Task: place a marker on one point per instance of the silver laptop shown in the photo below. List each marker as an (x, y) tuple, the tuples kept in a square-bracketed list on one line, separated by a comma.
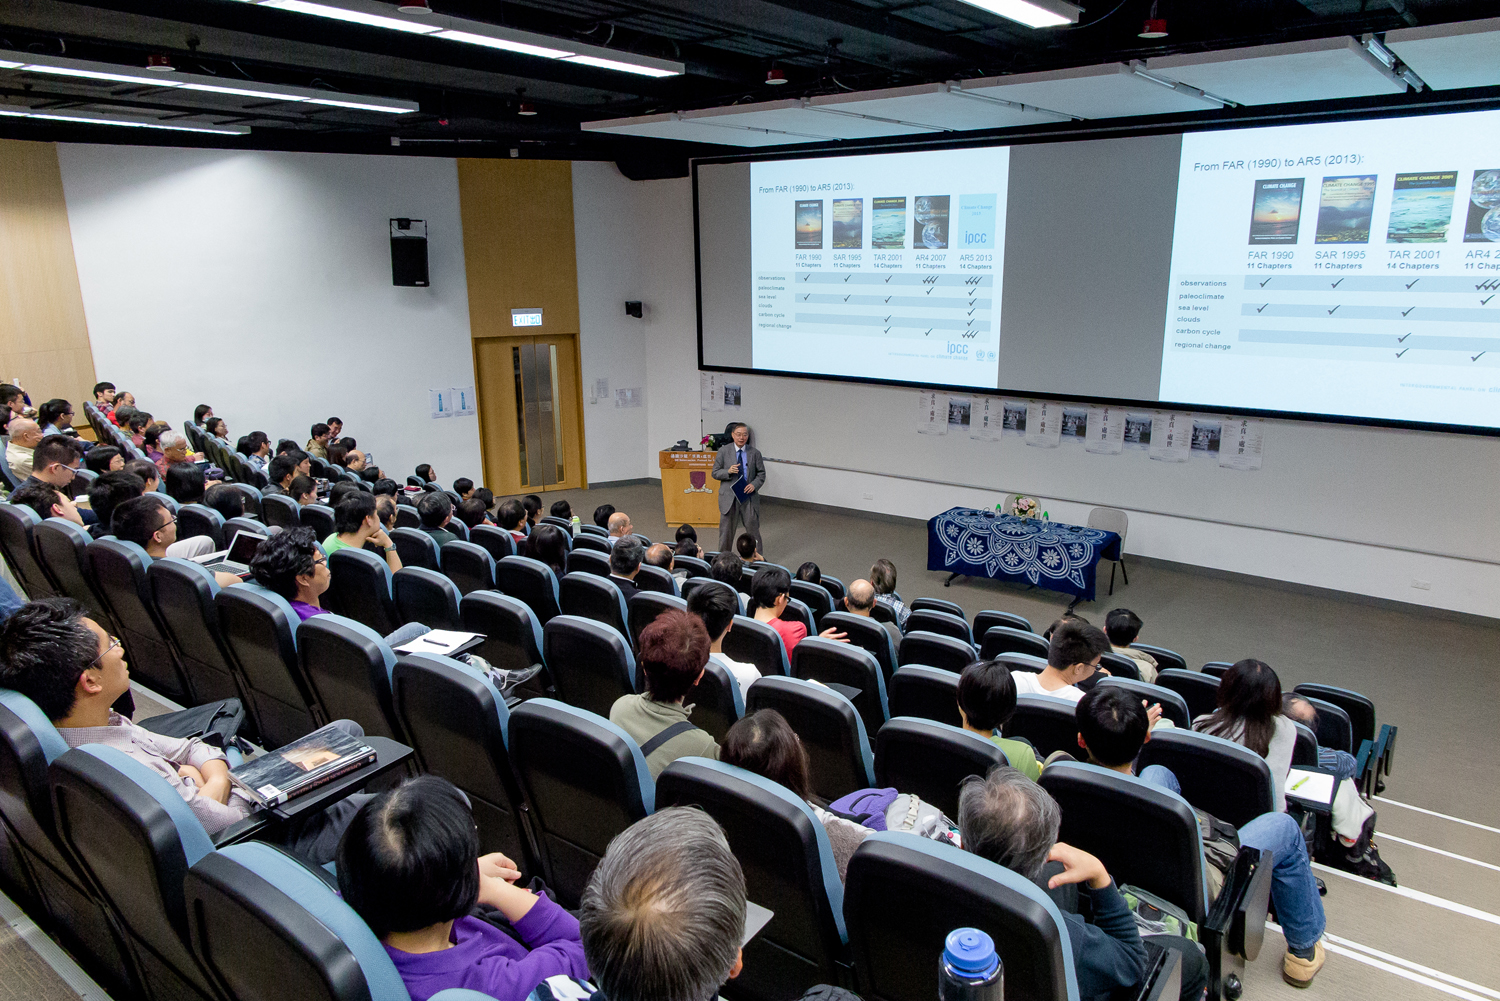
[(236, 559)]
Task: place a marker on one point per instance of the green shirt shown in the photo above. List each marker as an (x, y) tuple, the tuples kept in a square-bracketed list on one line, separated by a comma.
[(332, 545), (1020, 755), (643, 718)]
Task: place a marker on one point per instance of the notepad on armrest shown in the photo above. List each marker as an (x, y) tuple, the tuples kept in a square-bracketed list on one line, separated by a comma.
[(301, 766), (1310, 787), (442, 643), (756, 918)]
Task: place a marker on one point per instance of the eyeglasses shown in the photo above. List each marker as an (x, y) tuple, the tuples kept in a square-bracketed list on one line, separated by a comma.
[(114, 641)]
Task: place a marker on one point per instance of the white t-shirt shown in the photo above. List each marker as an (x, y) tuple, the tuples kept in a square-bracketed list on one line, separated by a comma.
[(1028, 683), (744, 674)]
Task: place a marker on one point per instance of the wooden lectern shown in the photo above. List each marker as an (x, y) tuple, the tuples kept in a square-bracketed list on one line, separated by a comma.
[(688, 494)]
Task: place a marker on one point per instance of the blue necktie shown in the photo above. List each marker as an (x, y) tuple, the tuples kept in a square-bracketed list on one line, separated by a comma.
[(742, 466)]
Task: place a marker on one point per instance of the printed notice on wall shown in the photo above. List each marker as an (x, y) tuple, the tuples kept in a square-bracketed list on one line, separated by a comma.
[(711, 388), (462, 401), (1171, 437), (440, 401), (1241, 443), (1106, 431), (629, 397), (732, 396), (1013, 422), (1044, 420), (984, 420), (932, 413)]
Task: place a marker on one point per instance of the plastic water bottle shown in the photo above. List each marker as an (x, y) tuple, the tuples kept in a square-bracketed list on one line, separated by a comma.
[(969, 968), (576, 526)]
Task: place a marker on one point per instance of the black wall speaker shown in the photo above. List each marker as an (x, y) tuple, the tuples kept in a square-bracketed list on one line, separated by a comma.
[(409, 252)]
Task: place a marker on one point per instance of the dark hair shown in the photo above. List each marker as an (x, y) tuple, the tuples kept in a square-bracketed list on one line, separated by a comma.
[(137, 519), (152, 435), (561, 509), (674, 650), (342, 489), (49, 412), (486, 496), (510, 514), (424, 473), (384, 486), (385, 508), (227, 499), (199, 411), (348, 442), (883, 576), (1113, 723), (1075, 643), (319, 430), (44, 648), (246, 445), (336, 420), (729, 568), (1122, 626), (300, 487), (765, 743), (532, 504), (111, 490), (602, 513), (715, 606), (1009, 819), (280, 468), (285, 445), (768, 584), (350, 512), (687, 547), (406, 860), (54, 448), (138, 421), (745, 546), (145, 469), (9, 392), (987, 694), (809, 572), (184, 483), (471, 511), (282, 558), (100, 387), (626, 555), (1249, 697), (99, 457), (462, 485), (338, 455), (39, 495), (124, 413), (684, 532), (1065, 617), (434, 508), (209, 424), (548, 544)]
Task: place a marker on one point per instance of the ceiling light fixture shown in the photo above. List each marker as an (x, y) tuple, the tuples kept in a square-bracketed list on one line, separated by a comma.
[(775, 77), (526, 108), (509, 45), (91, 118), (159, 64), (414, 7), (87, 73), (1155, 27), (367, 18), (623, 67), (1032, 13)]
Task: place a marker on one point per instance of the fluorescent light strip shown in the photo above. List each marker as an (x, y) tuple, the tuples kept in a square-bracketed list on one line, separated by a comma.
[(354, 16), (6, 64), (615, 64), (1040, 14), (90, 74), (86, 119), (214, 88), (503, 43)]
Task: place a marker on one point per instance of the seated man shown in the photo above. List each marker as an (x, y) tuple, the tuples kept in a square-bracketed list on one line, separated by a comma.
[(744, 546), (464, 487), (74, 671), (355, 522), (436, 510), (1073, 655), (625, 565), (281, 471), (619, 527), (859, 599), (25, 436), (384, 487), (354, 461), (184, 483), (1122, 626), (47, 501), (255, 449), (317, 445), (601, 515), (409, 864), (471, 512), (104, 399), (673, 650), (883, 576), (660, 555), (1112, 726), (174, 450), (512, 516), (1341, 763), (562, 509), (55, 460), (335, 428), (385, 509), (107, 493), (728, 568), (225, 498), (809, 572), (150, 524), (986, 701), (717, 608)]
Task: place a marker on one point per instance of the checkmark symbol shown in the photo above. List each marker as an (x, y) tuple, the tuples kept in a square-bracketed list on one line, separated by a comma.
[(887, 329), (1330, 312), (1479, 356), (846, 298), (971, 312), (1402, 352), (1484, 302), (887, 298), (1405, 311), (1338, 283), (806, 277), (1266, 282), (887, 279), (929, 291), (1403, 337), (846, 278), (888, 317), (1413, 282), (1259, 308)]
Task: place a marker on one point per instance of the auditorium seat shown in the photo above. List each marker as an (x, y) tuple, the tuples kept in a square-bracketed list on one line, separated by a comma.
[(925, 693), (1335, 729), (1048, 722), (989, 618), (194, 520), (1166, 660), (646, 606), (496, 541), (259, 628), (1022, 662), (182, 596), (233, 526), (281, 511), (590, 596), (119, 573), (62, 550), (512, 636), (1359, 709), (934, 620), (693, 583), (838, 749), (1173, 706), (562, 523), (1216, 668), (17, 524), (747, 574), (252, 498), (694, 566), (789, 869), (1120, 666), (657, 580), (797, 611), (835, 587), (407, 517), (532, 581), (931, 759), (470, 567), (585, 781), (814, 596), (456, 722), (1305, 747), (348, 666), (881, 612), (425, 596), (459, 529), (587, 561), (359, 587), (863, 631), (167, 499), (594, 530), (830, 662), (716, 699), (1200, 691), (591, 663), (416, 549), (1226, 779), (756, 643), (588, 542), (1003, 639), (935, 650), (937, 605)]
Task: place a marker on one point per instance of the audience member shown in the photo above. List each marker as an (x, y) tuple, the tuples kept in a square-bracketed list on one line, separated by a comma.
[(436, 510), (660, 555), (104, 459), (55, 461), (75, 671), (471, 512), (1113, 726), (717, 608), (136, 427), (340, 490), (619, 527), (770, 592), (281, 471), (317, 445), (303, 490), (1122, 626), (1065, 617), (859, 599), (427, 474), (409, 864), (104, 399), (986, 702), (809, 572), (511, 515), (174, 450), (1073, 655), (147, 471), (25, 436), (625, 565), (56, 417), (216, 428), (673, 651), (121, 417), (47, 501), (150, 524), (1341, 763), (384, 487), (255, 447), (225, 498), (561, 509), (184, 483), (744, 546), (601, 515), (286, 445), (464, 487), (356, 522), (548, 544), (687, 547), (486, 497), (728, 568), (357, 462), (765, 743), (338, 455), (201, 413), (335, 428), (883, 577), (13, 400), (533, 505), (684, 532), (385, 510), (108, 492)]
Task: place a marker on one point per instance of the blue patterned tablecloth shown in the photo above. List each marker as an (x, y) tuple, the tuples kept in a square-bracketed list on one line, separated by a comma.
[(1003, 547)]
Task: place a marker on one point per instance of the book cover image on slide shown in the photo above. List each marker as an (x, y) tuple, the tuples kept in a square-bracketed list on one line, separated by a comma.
[(1422, 207), (848, 223), (1483, 225), (887, 223), (810, 225), (1345, 210), (930, 222), (1276, 210)]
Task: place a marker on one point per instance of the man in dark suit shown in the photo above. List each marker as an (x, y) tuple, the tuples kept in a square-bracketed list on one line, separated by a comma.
[(625, 564), (741, 473)]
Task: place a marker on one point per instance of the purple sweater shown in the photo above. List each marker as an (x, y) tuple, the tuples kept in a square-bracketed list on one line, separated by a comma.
[(485, 959)]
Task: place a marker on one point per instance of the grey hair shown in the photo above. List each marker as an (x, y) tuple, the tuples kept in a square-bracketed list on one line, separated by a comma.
[(1008, 819), (1299, 709), (627, 554), (172, 439), (664, 912)]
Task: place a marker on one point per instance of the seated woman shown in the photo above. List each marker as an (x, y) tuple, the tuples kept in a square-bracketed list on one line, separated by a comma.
[(770, 590), (216, 427), (547, 544), (184, 483), (303, 490), (809, 572), (409, 864), (227, 499), (765, 743), (1249, 713), (426, 473), (104, 459), (986, 702)]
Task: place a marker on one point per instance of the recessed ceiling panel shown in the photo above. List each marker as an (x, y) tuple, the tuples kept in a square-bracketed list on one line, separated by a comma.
[(1449, 56), (1322, 70), (700, 130), (1109, 91)]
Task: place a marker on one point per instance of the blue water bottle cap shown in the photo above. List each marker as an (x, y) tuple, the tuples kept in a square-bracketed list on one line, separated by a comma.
[(970, 951)]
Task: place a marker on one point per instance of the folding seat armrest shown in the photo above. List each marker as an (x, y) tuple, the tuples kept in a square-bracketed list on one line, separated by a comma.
[(1388, 738), (244, 830), (1238, 916), (1164, 979)]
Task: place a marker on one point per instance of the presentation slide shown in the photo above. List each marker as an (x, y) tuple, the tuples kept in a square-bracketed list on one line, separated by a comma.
[(886, 266), (1348, 268)]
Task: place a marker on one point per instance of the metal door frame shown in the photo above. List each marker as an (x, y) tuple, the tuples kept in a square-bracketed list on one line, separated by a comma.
[(577, 375)]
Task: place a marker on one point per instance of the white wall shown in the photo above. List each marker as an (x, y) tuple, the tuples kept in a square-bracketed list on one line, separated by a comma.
[(260, 283), (1334, 506)]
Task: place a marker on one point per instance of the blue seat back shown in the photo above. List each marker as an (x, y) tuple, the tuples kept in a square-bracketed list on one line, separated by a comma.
[(838, 748), (470, 567), (590, 596), (1003, 639), (863, 631), (348, 666), (359, 587), (119, 574), (416, 548), (828, 661), (496, 541), (756, 643), (17, 523), (1173, 706), (259, 628), (1226, 779), (181, 594), (425, 596), (512, 633), (532, 581), (1050, 723), (935, 650), (934, 620), (590, 662), (926, 693), (931, 759)]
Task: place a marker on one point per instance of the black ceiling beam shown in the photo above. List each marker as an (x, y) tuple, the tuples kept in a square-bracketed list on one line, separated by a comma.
[(877, 22)]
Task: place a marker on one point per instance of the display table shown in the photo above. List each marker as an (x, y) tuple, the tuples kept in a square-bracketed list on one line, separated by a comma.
[(1047, 554), (689, 496)]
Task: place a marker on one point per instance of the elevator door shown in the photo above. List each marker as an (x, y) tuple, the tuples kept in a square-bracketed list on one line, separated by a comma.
[(528, 411)]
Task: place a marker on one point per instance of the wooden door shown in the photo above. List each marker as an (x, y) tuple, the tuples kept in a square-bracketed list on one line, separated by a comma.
[(529, 420)]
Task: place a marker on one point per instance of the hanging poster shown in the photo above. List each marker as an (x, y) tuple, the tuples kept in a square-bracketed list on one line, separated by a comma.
[(1171, 437), (1044, 423), (1106, 431), (984, 420), (932, 413), (1241, 443), (1014, 420)]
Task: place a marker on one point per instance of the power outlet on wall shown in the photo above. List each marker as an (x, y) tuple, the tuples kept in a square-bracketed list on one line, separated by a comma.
[(1420, 584), (867, 495)]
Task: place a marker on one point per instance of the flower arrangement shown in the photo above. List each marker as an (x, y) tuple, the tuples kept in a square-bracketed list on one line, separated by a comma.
[(1025, 507), (706, 442)]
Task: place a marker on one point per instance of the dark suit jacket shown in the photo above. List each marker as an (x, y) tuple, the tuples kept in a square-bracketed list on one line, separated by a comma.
[(755, 471), (626, 585)]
